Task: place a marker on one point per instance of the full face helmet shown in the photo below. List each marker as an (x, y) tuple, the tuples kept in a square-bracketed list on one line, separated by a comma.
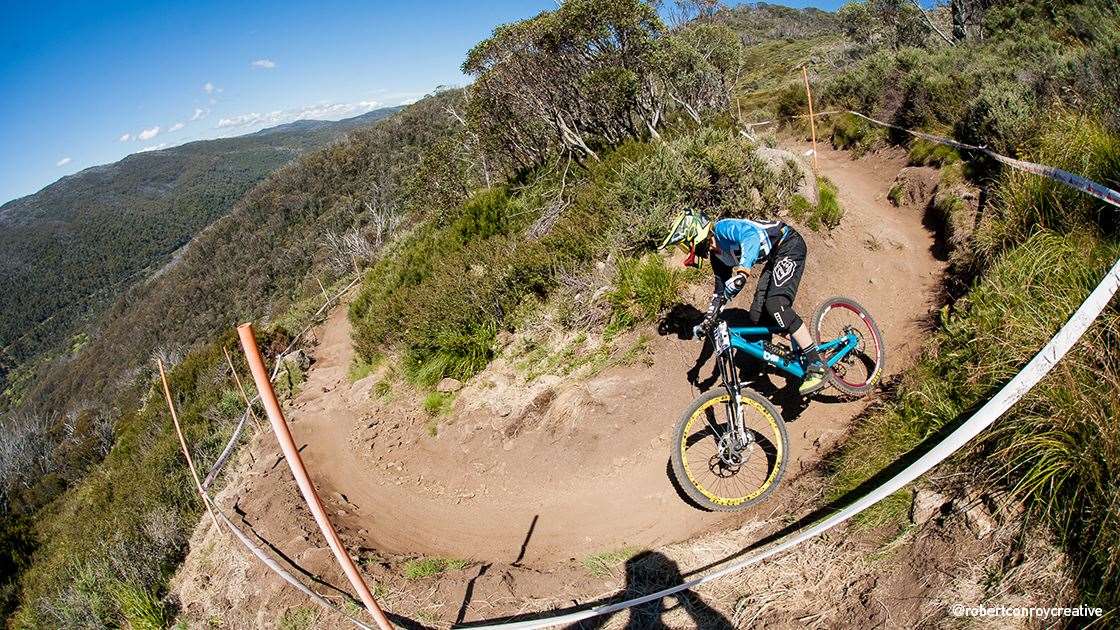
[(689, 232)]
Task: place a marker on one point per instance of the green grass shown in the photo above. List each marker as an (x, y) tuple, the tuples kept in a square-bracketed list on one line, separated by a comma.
[(383, 389), (361, 367), (926, 153), (289, 380), (826, 214), (643, 289), (420, 568), (603, 564), (894, 195), (855, 134), (139, 607), (299, 618), (438, 403)]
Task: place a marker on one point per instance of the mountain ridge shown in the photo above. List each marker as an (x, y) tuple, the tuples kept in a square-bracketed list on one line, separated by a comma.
[(67, 250)]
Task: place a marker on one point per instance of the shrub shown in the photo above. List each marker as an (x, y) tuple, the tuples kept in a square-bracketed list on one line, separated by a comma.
[(1002, 116), (643, 289), (855, 134), (927, 153)]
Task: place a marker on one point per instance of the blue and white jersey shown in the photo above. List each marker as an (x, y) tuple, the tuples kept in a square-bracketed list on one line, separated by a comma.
[(743, 242)]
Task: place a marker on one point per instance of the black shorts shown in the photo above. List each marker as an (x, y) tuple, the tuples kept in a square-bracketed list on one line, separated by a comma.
[(779, 278), (782, 274)]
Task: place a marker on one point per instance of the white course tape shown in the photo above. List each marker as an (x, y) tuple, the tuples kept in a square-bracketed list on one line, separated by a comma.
[(1087, 186), (1027, 378)]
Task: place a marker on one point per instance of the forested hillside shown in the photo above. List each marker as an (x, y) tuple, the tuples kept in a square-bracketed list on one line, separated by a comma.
[(69, 250)]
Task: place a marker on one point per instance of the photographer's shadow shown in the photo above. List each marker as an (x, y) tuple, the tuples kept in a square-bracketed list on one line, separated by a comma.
[(650, 572)]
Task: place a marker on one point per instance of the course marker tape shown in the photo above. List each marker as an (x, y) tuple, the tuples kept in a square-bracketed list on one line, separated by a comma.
[(1087, 186)]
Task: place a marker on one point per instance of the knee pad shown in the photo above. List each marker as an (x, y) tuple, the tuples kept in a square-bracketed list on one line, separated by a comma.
[(781, 312)]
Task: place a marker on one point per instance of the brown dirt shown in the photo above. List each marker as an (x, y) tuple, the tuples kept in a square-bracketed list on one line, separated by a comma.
[(529, 478)]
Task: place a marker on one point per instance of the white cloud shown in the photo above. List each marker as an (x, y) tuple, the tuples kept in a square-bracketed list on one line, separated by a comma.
[(154, 147), (148, 134), (319, 111), (176, 127), (63, 162), (263, 64), (125, 137), (209, 88), (199, 113)]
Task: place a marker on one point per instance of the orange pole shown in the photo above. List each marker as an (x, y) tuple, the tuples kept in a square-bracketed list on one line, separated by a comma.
[(183, 444), (295, 462), (812, 120)]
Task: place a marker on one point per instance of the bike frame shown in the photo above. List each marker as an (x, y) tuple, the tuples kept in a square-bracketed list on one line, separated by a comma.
[(753, 341), (750, 339)]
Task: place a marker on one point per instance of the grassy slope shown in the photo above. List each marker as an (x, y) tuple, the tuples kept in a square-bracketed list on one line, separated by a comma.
[(1038, 250)]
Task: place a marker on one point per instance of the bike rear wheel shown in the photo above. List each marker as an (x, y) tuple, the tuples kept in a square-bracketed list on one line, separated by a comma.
[(704, 462), (857, 373)]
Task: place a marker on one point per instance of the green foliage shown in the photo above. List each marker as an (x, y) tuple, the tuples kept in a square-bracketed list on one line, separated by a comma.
[(926, 153), (855, 134), (603, 564), (421, 568), (438, 403), (896, 193), (1025, 203), (141, 609), (643, 288), (289, 380), (299, 618), (444, 319), (361, 367), (1059, 449), (826, 214)]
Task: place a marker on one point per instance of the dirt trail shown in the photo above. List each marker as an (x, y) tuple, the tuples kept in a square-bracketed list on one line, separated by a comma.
[(582, 468)]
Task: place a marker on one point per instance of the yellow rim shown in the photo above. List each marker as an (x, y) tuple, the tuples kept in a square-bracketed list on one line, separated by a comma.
[(779, 446)]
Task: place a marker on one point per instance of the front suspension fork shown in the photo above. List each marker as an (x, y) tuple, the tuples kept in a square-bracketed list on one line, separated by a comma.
[(731, 381)]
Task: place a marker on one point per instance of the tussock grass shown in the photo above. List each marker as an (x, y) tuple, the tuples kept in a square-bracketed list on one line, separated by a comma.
[(826, 214), (421, 568), (361, 367), (643, 289), (606, 562)]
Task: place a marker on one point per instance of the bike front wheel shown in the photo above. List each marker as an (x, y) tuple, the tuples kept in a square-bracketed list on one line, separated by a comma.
[(713, 467)]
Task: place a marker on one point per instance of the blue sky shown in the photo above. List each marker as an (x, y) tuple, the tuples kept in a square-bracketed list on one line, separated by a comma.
[(87, 83)]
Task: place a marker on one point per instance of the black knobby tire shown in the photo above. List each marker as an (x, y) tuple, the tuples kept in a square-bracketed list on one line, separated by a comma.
[(873, 355), (752, 401)]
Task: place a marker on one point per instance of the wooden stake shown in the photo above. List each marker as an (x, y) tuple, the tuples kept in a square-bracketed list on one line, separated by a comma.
[(183, 443), (241, 388), (812, 120)]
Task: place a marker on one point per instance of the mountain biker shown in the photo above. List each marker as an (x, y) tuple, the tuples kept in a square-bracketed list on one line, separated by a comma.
[(734, 246)]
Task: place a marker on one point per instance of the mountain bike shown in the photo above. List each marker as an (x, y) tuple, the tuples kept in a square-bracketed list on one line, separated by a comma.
[(730, 446)]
